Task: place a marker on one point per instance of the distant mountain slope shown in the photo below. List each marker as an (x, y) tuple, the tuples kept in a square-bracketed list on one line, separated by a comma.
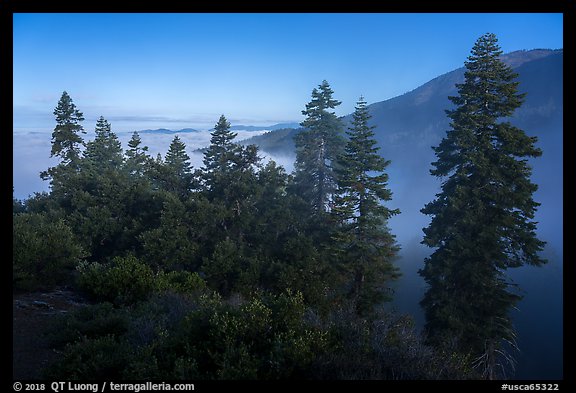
[(273, 127), (417, 119), (274, 142), (410, 124), (167, 131)]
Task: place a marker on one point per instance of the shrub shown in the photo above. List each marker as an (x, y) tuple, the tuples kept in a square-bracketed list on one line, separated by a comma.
[(44, 251), (176, 336), (263, 338), (387, 347), (91, 321), (180, 282), (125, 281), (200, 336), (101, 358)]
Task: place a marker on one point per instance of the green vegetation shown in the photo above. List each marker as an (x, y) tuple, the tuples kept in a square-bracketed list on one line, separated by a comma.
[(44, 251), (238, 270), (317, 149), (364, 244), (482, 220), (266, 337)]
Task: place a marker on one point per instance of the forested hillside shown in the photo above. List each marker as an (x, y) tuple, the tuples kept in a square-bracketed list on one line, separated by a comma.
[(219, 272), (240, 270)]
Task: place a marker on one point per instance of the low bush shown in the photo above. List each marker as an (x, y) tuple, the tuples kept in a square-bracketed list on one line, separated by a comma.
[(177, 336), (44, 252), (179, 282), (91, 321), (199, 336), (125, 281), (387, 347), (100, 358)]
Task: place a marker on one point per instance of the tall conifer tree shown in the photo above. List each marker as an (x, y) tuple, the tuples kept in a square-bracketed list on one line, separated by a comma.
[(367, 247), (137, 158), (66, 140), (218, 157), (66, 144), (178, 168), (482, 220), (317, 147), (105, 151)]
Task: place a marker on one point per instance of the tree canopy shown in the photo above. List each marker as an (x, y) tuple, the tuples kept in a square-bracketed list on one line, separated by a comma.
[(317, 148), (238, 269), (482, 220)]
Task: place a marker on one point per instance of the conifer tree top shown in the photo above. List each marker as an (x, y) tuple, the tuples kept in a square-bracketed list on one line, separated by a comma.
[(482, 220), (66, 140)]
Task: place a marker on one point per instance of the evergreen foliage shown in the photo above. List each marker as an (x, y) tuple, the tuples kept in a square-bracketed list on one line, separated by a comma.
[(66, 145), (239, 270), (364, 243), (317, 147), (66, 141), (178, 177), (137, 159), (104, 153), (45, 251), (482, 220)]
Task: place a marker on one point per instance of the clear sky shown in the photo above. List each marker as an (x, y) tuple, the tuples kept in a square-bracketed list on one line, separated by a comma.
[(184, 70)]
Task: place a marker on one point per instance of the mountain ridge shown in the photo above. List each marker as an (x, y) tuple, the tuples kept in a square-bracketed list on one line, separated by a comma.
[(239, 127), (167, 131), (418, 116)]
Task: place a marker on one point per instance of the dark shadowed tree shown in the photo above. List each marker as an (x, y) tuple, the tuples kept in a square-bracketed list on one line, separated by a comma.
[(66, 141), (97, 205), (171, 245), (142, 204), (317, 147), (105, 151), (66, 145), (219, 157), (482, 220), (179, 168), (365, 246), (229, 171), (137, 159), (230, 185)]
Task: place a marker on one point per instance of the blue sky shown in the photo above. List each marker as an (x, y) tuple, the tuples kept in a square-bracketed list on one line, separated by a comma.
[(184, 70)]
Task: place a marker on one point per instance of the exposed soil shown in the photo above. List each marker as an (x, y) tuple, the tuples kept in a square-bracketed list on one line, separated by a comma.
[(31, 313)]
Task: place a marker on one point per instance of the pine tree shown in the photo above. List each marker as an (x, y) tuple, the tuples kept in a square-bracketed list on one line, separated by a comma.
[(105, 151), (66, 144), (218, 158), (177, 158), (231, 190), (137, 159), (174, 173), (66, 140), (482, 220), (142, 203), (366, 246), (317, 147), (97, 207), (229, 168), (177, 162)]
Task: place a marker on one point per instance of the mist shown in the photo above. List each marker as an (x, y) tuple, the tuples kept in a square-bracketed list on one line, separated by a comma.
[(538, 318), (406, 129), (31, 153), (539, 313)]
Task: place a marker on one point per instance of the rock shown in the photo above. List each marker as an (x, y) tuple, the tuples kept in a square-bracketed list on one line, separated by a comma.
[(41, 304)]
